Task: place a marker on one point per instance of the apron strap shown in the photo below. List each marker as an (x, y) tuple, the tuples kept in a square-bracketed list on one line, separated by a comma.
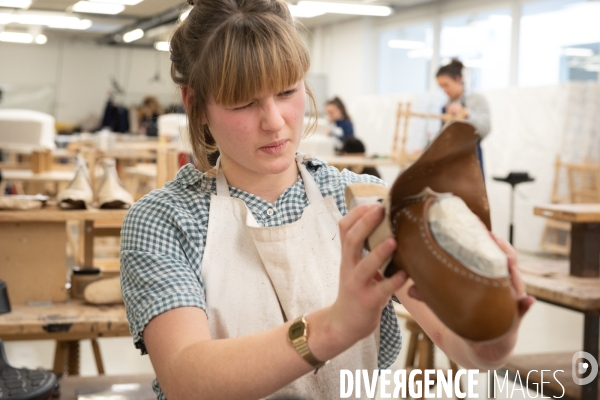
[(222, 186), (310, 186)]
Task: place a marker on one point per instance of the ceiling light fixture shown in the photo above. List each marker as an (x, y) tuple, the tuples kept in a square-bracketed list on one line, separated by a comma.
[(16, 37), (97, 8), (184, 15), (318, 8), (15, 3), (133, 35), (299, 12), (51, 20), (405, 44), (41, 39), (162, 46), (123, 2), (420, 53)]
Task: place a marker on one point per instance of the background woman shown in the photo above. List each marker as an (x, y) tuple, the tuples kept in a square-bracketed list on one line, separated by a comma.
[(342, 127), (470, 106)]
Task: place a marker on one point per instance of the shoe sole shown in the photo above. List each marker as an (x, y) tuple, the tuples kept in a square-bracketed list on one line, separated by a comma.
[(114, 205), (69, 204)]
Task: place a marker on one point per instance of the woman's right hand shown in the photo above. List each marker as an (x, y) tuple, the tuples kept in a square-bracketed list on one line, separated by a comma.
[(363, 292)]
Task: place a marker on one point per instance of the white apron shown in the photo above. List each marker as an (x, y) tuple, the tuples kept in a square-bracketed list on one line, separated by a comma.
[(257, 278)]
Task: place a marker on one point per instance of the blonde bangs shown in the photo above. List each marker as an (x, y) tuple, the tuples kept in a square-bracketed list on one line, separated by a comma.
[(256, 59)]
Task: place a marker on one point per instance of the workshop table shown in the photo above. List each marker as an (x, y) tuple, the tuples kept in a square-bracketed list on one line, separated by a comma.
[(358, 162), (549, 281), (67, 323), (60, 178), (585, 234)]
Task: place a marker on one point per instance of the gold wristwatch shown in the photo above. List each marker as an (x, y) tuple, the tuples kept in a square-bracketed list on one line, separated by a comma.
[(298, 335)]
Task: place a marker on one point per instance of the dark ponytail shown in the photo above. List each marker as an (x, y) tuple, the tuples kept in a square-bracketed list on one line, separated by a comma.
[(453, 70)]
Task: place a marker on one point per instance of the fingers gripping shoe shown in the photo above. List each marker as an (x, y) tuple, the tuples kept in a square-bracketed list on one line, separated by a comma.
[(437, 209), (111, 193), (78, 193)]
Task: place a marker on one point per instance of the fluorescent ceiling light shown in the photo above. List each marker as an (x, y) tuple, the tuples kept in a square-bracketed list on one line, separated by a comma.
[(97, 8), (299, 12), (123, 2), (16, 37), (308, 7), (15, 3), (405, 44), (162, 46), (577, 52), (184, 15), (51, 20), (41, 39), (133, 35), (420, 53)]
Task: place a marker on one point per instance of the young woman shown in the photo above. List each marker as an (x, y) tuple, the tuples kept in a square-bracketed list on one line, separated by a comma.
[(342, 127), (470, 106), (220, 263)]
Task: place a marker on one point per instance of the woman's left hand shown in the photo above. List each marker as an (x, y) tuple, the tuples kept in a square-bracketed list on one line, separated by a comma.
[(498, 351), (492, 354), (457, 110), (525, 300)]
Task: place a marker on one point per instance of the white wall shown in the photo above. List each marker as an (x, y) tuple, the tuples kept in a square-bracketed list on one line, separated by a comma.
[(347, 54), (78, 73)]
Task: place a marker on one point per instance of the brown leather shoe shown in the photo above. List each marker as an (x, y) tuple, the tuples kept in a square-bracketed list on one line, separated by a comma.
[(432, 211)]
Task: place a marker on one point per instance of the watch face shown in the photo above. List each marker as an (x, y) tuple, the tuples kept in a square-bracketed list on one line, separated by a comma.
[(296, 330)]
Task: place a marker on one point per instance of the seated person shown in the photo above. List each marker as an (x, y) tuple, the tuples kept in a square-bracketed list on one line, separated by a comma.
[(342, 127), (353, 146)]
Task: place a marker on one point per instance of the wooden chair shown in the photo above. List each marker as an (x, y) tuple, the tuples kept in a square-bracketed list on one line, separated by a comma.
[(556, 236), (399, 152), (584, 182)]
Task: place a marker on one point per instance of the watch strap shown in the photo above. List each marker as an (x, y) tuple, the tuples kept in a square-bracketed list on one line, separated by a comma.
[(301, 346)]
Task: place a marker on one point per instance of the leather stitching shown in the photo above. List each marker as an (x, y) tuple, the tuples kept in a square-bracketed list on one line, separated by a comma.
[(440, 256)]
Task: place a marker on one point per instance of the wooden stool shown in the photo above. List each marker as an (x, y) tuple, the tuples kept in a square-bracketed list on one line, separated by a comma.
[(419, 342)]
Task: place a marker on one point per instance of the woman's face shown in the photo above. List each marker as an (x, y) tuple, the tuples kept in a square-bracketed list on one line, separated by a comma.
[(262, 135), (333, 112), (452, 87)]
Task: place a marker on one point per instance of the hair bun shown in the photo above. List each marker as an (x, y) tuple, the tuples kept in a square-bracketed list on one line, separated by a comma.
[(457, 62)]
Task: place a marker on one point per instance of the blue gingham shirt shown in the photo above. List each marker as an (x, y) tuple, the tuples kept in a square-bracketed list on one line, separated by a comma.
[(164, 235)]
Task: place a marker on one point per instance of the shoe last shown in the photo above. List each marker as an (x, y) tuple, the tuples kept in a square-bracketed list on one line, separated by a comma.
[(78, 194), (111, 193)]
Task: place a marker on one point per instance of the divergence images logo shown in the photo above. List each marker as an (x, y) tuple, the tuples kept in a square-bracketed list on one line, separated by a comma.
[(583, 362)]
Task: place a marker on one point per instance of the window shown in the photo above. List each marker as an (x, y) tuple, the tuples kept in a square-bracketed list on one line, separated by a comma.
[(405, 59), (482, 42), (560, 41)]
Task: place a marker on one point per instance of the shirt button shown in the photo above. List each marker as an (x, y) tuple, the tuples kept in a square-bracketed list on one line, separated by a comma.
[(270, 212)]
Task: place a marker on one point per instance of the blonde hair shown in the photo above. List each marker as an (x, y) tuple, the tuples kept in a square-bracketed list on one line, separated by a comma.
[(232, 51)]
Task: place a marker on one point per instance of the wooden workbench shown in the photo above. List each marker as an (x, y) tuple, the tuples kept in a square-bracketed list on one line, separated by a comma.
[(67, 323), (358, 163), (551, 282), (585, 234), (71, 320)]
